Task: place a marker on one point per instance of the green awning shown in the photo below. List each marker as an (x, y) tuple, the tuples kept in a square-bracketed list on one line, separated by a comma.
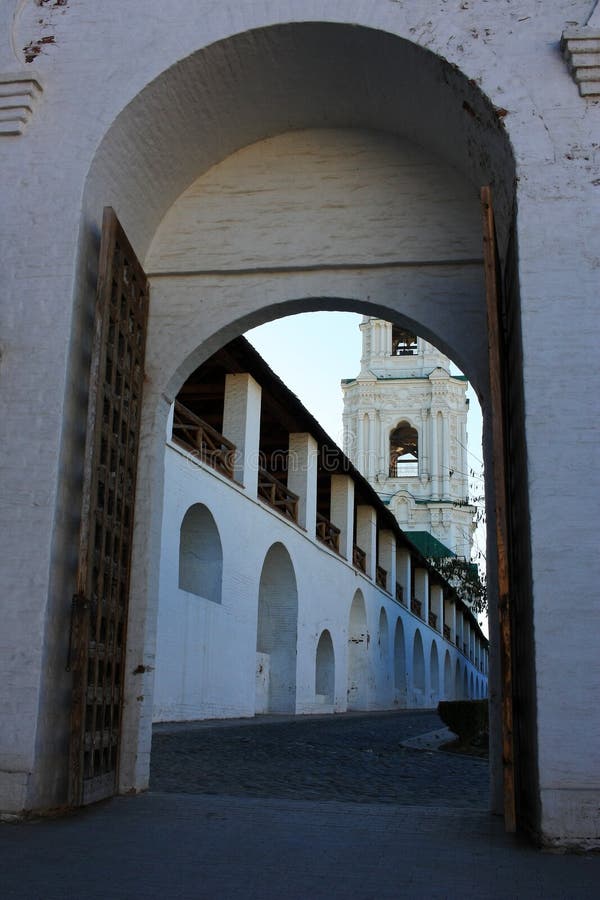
[(428, 545)]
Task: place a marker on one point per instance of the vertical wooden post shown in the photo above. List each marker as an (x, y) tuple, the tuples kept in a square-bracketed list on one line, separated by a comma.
[(496, 360)]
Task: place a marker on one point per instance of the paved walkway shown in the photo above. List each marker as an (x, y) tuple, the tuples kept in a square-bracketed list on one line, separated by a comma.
[(249, 845), (358, 758)]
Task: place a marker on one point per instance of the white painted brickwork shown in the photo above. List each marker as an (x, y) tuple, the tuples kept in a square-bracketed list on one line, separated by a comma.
[(140, 101), (207, 654)]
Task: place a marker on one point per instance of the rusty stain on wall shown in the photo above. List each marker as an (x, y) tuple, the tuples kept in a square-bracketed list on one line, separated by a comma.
[(35, 47)]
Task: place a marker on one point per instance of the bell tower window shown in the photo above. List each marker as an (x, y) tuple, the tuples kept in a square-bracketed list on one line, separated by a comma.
[(404, 451), (404, 343)]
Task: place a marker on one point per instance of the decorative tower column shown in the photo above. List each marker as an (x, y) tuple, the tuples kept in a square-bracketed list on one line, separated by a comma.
[(445, 456), (425, 457), (359, 456), (372, 452)]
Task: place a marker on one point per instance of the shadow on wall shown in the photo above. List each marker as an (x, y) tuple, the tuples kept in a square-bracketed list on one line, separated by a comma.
[(325, 670)]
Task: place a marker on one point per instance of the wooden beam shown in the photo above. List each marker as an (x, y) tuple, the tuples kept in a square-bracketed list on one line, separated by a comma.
[(496, 362)]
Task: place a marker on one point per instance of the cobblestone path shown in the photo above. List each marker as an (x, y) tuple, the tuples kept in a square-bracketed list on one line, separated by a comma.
[(356, 758)]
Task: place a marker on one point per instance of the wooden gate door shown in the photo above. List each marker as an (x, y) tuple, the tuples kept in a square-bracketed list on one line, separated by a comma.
[(498, 400), (99, 613)]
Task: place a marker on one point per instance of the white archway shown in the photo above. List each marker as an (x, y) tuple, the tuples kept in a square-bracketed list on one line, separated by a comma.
[(287, 77), (383, 67)]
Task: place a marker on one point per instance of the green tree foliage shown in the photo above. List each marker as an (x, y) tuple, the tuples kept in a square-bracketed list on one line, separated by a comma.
[(465, 579)]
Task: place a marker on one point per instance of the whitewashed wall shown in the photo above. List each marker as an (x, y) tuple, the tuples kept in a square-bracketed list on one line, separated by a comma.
[(206, 656), (137, 101), (340, 194)]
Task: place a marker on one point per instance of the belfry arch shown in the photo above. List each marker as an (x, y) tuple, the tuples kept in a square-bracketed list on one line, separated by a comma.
[(294, 82), (404, 450)]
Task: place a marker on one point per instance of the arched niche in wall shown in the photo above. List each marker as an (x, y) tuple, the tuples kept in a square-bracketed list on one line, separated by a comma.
[(200, 554), (448, 682), (277, 629), (384, 637), (358, 658), (457, 682), (325, 668), (400, 661), (434, 672), (418, 663)]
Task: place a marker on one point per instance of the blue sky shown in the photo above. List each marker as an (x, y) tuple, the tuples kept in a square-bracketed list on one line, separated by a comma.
[(311, 353)]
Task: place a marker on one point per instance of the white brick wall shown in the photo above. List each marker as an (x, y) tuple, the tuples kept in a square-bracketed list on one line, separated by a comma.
[(206, 654), (193, 102)]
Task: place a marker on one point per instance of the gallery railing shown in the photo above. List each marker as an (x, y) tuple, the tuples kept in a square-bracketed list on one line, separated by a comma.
[(328, 533), (359, 558), (416, 607), (202, 440), (277, 495)]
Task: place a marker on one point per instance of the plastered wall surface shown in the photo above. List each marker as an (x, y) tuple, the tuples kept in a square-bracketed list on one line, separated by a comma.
[(206, 653), (75, 155)]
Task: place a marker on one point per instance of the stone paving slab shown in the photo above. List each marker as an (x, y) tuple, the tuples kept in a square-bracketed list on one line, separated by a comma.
[(432, 740), (359, 757), (189, 847)]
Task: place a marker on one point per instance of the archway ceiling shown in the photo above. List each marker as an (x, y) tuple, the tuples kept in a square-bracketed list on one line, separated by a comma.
[(265, 82)]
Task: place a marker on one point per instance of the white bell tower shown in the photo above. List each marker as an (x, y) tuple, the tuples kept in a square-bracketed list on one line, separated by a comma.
[(405, 429)]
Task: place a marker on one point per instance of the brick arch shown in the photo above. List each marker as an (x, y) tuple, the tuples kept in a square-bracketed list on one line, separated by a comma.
[(301, 96)]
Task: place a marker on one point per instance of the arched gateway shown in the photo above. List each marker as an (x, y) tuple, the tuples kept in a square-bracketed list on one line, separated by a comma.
[(408, 138), (421, 265)]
